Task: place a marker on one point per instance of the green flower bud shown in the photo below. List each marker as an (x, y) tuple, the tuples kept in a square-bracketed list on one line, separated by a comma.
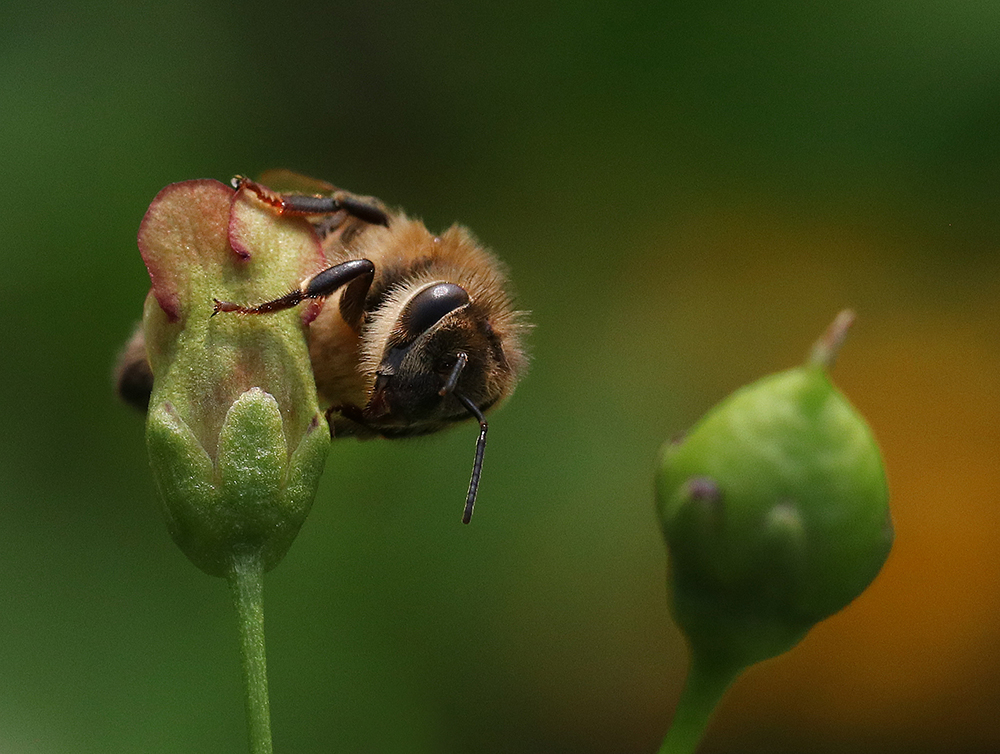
[(236, 438), (775, 512)]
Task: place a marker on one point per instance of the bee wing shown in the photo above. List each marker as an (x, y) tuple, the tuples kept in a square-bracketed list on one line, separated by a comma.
[(336, 229), (284, 181)]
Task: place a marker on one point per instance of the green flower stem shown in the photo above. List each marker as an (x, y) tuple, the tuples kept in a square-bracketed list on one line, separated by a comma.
[(706, 684), (246, 579)]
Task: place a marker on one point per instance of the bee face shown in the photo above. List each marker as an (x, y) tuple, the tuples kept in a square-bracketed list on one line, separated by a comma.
[(435, 302), (442, 343)]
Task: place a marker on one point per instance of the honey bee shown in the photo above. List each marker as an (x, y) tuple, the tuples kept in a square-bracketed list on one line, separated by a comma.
[(418, 331)]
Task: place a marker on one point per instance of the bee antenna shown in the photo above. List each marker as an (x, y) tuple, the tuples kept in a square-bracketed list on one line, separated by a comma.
[(456, 371), (477, 466)]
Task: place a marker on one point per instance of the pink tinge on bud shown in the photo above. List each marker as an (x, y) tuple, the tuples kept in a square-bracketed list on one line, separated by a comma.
[(194, 231), (175, 242)]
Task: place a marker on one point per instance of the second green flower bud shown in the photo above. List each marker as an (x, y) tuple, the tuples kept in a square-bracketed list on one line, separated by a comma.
[(775, 512)]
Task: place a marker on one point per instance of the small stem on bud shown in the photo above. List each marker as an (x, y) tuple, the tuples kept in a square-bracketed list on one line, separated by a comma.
[(705, 686), (825, 350), (246, 580)]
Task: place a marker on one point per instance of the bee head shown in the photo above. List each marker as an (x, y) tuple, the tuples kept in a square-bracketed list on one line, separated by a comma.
[(440, 338), (442, 348)]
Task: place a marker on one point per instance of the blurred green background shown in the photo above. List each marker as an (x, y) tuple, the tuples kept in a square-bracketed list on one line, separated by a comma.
[(685, 192)]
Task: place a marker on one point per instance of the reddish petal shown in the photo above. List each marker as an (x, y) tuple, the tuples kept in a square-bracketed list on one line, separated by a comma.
[(183, 230)]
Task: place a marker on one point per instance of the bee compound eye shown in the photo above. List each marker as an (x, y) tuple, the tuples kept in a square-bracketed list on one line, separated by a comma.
[(429, 306)]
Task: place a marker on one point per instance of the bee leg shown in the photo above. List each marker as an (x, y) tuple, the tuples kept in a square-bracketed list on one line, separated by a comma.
[(133, 377), (304, 204), (352, 300), (353, 414), (357, 274), (329, 421), (348, 411)]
